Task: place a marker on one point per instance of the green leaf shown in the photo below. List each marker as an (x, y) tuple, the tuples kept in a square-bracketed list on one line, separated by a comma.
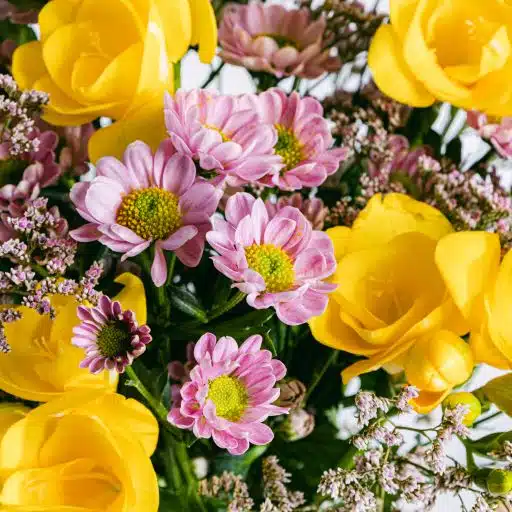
[(187, 303), (239, 465), (251, 323), (454, 150), (499, 392), (20, 34)]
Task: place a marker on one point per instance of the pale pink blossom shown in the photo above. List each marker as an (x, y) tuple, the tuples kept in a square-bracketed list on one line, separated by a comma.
[(303, 139), (147, 199), (271, 38), (313, 209), (230, 393), (278, 261), (221, 135), (497, 132)]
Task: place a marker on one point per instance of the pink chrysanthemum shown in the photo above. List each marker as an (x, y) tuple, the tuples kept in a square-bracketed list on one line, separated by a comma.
[(147, 199), (230, 393), (220, 135), (279, 262), (266, 37), (111, 337), (303, 139), (313, 209)]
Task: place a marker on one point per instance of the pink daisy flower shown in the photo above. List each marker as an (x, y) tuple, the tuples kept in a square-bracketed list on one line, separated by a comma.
[(266, 37), (220, 135), (230, 393), (279, 261), (147, 199), (111, 337), (303, 139)]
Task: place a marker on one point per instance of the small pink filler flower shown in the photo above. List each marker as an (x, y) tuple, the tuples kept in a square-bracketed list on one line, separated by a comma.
[(279, 262), (111, 337), (230, 393), (265, 37), (147, 199), (303, 142)]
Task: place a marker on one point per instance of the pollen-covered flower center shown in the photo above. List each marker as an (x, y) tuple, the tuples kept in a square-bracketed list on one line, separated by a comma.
[(273, 264), (113, 340), (152, 213), (288, 147), (229, 396)]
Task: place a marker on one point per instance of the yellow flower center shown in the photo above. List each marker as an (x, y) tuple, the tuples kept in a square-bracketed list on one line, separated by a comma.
[(273, 264), (288, 147), (152, 213), (113, 340), (225, 138), (229, 396)]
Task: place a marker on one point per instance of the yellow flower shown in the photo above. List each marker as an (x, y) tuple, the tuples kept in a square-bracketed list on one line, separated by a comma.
[(457, 51), (392, 304), (43, 363), (482, 289), (113, 58), (86, 451)]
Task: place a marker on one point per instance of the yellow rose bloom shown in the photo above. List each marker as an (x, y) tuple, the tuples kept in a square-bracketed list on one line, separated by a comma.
[(86, 451), (482, 289), (113, 58), (42, 363), (458, 51), (392, 304)]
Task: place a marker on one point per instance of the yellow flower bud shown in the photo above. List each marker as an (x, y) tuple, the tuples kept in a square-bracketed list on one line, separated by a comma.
[(467, 399), (499, 481)]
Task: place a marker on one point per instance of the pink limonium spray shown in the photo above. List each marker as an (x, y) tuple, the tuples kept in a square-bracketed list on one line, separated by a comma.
[(221, 135), (497, 131), (277, 260), (147, 199), (230, 393), (303, 139), (271, 38), (110, 336)]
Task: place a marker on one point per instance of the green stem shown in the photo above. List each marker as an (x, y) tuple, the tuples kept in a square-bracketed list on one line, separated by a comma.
[(39, 270), (224, 308), (212, 76), (170, 269), (270, 343), (318, 377), (296, 84), (176, 67), (483, 420)]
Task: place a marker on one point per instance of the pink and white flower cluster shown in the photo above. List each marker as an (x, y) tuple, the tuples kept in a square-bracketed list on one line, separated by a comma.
[(271, 38), (499, 134), (277, 259), (271, 138), (230, 393)]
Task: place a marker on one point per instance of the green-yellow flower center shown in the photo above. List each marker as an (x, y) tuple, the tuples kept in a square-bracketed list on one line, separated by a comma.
[(273, 264), (113, 340), (229, 396), (288, 147), (225, 138), (152, 213)]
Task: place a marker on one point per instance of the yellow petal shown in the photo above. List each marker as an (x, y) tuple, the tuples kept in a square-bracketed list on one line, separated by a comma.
[(146, 124), (329, 330), (386, 216), (427, 401), (340, 238), (204, 28), (132, 296), (391, 73), (401, 13), (10, 414), (28, 65), (56, 14), (468, 262)]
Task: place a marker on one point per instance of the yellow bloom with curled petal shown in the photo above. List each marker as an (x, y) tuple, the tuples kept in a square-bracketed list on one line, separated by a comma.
[(458, 51), (392, 304), (113, 58), (85, 451), (42, 363), (482, 288)]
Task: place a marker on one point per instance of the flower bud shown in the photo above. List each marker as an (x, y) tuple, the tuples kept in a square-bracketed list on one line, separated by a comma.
[(298, 425), (467, 399), (499, 481), (292, 393)]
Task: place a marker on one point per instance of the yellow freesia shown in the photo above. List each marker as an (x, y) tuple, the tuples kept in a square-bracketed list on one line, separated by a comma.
[(43, 363), (86, 451), (482, 288), (458, 51), (113, 58), (392, 304)]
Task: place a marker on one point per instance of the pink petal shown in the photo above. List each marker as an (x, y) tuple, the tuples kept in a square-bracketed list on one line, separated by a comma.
[(204, 347), (244, 234), (201, 197), (179, 174), (85, 233), (190, 253), (179, 238), (238, 207), (279, 231), (259, 218), (138, 158), (135, 250), (159, 266), (225, 348), (103, 199), (278, 368), (251, 345), (176, 418)]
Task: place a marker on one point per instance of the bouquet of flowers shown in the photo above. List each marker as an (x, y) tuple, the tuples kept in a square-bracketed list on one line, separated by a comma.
[(293, 298)]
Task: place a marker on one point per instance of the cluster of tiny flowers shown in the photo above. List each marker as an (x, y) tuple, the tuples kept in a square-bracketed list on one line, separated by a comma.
[(451, 425), (230, 488), (349, 28), (503, 452), (369, 405), (7, 316), (17, 111), (41, 237)]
